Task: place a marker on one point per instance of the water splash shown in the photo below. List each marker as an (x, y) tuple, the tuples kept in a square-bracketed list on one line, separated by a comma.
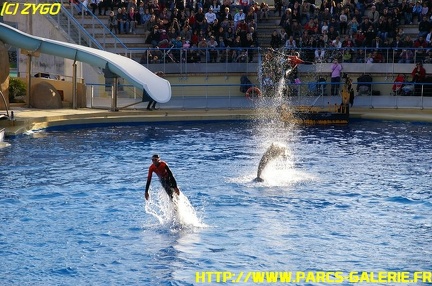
[(4, 145), (41, 133), (283, 172), (176, 214), (270, 129)]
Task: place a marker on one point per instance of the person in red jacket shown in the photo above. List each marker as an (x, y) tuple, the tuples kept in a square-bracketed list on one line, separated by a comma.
[(293, 61), (418, 73), (166, 177)]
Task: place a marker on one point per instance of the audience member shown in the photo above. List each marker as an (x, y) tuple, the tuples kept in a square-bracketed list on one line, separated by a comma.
[(112, 23), (264, 12), (145, 16), (406, 10), (153, 37), (215, 7), (122, 21), (320, 55), (406, 57), (200, 19), (419, 73), (382, 28), (420, 42), (343, 25), (377, 57), (417, 10), (226, 15), (290, 43), (250, 44), (238, 17), (212, 45), (373, 15), (210, 16), (347, 56), (336, 70), (424, 27), (420, 54), (429, 37), (133, 18)]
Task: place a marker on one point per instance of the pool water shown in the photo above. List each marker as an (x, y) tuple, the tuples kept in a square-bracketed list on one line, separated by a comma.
[(345, 198)]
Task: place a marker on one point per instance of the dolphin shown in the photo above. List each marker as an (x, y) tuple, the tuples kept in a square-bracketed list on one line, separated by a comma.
[(272, 152)]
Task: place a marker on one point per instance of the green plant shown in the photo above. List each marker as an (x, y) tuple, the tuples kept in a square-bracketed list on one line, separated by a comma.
[(16, 88)]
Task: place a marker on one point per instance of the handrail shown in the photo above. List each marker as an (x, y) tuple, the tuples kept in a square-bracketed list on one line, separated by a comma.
[(5, 103), (68, 13), (189, 96), (71, 20), (106, 30), (390, 55)]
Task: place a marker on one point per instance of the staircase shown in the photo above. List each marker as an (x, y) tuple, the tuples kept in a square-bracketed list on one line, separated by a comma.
[(266, 28), (88, 30)]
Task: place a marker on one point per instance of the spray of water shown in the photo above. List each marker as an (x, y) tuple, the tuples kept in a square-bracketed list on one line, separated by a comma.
[(284, 172), (277, 78), (4, 145), (177, 213), (36, 133), (279, 88)]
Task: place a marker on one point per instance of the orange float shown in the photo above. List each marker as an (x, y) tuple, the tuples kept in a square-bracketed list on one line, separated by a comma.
[(253, 92)]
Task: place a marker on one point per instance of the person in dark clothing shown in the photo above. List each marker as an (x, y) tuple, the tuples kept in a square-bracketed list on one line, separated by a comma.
[(152, 103), (276, 40)]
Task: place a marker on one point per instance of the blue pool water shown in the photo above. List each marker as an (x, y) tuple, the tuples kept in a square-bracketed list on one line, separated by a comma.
[(353, 198)]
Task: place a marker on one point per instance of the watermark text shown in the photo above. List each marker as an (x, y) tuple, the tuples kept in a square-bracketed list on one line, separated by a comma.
[(30, 8)]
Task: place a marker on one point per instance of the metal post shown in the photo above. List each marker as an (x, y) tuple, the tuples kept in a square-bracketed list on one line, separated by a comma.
[(74, 86), (29, 63), (422, 94), (92, 96), (114, 94)]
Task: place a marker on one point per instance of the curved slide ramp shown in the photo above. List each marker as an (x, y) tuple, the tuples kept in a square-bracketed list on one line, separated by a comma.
[(156, 87)]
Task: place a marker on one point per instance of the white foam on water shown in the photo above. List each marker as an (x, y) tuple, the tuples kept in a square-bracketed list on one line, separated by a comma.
[(178, 213), (4, 145), (36, 133), (282, 172)]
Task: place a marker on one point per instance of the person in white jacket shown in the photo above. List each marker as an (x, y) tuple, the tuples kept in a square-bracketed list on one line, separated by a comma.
[(210, 16)]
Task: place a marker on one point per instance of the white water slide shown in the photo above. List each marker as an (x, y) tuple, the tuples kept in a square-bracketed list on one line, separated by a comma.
[(156, 87)]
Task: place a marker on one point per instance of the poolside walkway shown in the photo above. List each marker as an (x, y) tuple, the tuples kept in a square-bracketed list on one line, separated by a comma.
[(26, 119)]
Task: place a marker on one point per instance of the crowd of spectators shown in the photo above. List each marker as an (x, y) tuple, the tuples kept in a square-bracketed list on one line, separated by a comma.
[(224, 30), (193, 31), (356, 31)]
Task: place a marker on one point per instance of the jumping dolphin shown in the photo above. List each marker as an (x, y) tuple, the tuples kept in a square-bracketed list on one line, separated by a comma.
[(272, 152)]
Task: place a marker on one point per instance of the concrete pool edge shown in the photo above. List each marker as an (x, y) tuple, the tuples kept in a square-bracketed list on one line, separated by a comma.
[(34, 119)]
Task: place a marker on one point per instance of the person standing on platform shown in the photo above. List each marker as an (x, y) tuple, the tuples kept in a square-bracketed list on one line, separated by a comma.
[(336, 70), (418, 77), (418, 73), (152, 103)]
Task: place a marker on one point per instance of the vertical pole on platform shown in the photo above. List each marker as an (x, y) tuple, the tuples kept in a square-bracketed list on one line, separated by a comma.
[(74, 85), (29, 63), (92, 96), (114, 94)]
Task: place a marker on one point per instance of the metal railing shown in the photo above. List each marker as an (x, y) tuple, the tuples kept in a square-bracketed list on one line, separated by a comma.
[(203, 96), (360, 55), (74, 25), (5, 103)]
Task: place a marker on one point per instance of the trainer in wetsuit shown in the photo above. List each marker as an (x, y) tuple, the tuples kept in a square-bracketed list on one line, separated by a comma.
[(165, 175)]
